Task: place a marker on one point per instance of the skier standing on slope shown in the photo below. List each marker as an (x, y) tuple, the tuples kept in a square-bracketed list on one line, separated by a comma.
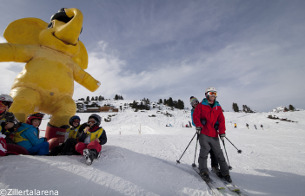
[(210, 111), (214, 163)]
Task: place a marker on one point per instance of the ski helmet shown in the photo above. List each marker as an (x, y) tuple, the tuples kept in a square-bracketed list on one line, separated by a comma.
[(210, 90), (7, 100), (9, 117), (72, 119), (97, 118), (33, 116), (193, 101)]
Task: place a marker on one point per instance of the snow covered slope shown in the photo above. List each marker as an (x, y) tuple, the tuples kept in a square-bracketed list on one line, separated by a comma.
[(141, 153)]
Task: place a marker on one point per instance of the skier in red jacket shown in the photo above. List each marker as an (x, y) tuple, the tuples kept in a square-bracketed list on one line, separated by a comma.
[(210, 122)]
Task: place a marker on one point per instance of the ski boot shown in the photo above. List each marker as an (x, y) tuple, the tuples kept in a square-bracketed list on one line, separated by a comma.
[(99, 155), (90, 155), (227, 178), (205, 176), (216, 170)]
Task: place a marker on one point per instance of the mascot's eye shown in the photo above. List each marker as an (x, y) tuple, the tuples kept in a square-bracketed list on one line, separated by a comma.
[(61, 16), (50, 25)]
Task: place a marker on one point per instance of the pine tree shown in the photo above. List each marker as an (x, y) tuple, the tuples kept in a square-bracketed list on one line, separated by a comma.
[(116, 97), (247, 109), (180, 104), (286, 109), (291, 108), (235, 107), (170, 102), (100, 98), (88, 99)]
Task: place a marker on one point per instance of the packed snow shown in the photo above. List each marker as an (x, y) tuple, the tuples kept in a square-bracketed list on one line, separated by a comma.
[(140, 158)]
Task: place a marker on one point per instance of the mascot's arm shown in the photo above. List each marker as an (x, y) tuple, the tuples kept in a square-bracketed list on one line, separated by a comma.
[(16, 52), (86, 79)]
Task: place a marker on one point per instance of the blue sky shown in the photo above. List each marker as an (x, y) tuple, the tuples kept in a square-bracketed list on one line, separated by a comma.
[(251, 51)]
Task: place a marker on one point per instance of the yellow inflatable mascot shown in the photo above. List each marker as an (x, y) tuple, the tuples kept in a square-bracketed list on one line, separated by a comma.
[(54, 58)]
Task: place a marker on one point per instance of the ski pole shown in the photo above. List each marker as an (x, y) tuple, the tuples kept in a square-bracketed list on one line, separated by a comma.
[(178, 161), (224, 146), (194, 164), (239, 151)]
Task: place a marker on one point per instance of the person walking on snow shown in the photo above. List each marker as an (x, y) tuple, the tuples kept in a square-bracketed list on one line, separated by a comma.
[(210, 111), (214, 163), (91, 139)]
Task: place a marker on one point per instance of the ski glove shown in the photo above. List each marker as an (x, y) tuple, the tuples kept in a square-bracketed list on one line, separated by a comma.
[(222, 137), (198, 130)]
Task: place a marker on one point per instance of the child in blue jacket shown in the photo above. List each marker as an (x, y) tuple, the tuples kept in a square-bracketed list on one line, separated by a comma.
[(27, 136)]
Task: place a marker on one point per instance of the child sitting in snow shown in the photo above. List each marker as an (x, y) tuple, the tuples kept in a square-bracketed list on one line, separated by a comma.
[(35, 120), (27, 136), (7, 128), (91, 139), (68, 147)]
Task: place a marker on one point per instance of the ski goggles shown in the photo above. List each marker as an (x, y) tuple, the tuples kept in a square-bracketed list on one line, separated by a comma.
[(212, 93), (91, 121)]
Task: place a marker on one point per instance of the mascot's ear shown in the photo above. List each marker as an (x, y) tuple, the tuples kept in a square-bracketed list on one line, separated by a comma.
[(24, 31), (82, 56)]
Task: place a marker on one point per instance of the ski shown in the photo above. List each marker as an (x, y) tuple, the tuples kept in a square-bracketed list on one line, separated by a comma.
[(230, 186), (216, 190)]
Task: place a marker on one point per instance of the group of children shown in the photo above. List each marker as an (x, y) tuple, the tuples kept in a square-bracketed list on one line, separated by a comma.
[(86, 139), (23, 138)]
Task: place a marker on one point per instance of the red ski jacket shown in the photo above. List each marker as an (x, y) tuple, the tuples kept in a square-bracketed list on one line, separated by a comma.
[(206, 117)]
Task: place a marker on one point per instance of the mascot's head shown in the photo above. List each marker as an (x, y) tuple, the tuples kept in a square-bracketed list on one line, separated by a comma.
[(61, 34)]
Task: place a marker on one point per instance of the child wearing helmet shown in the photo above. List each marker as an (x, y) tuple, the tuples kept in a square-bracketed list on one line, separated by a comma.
[(91, 139), (8, 132), (27, 136), (6, 102), (194, 102), (214, 125), (72, 134), (35, 120)]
